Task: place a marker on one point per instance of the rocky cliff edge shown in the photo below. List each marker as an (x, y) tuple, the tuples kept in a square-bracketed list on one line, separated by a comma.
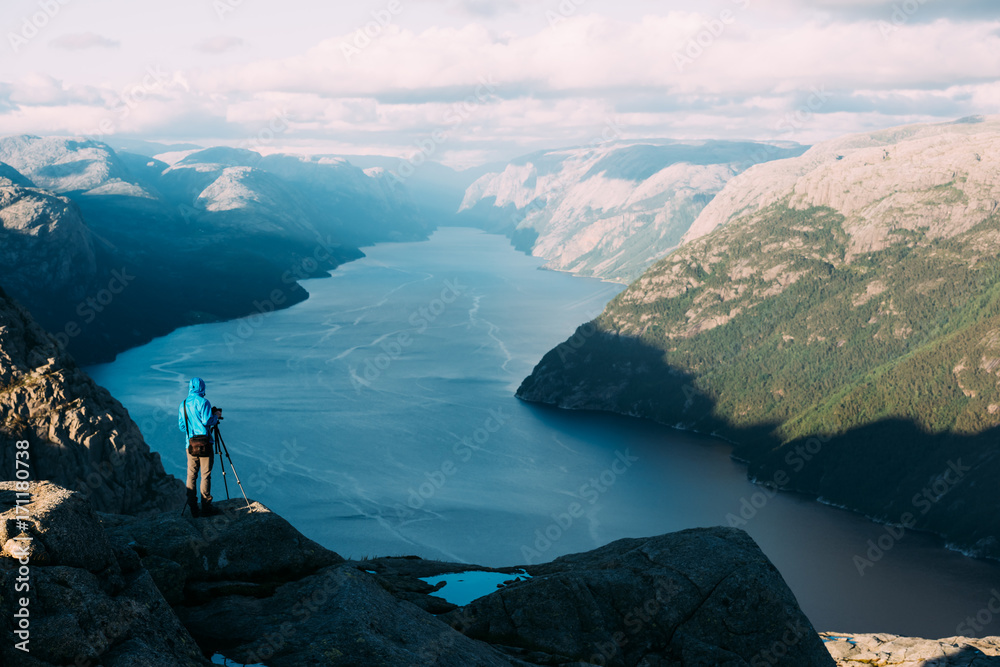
[(78, 435), (170, 590)]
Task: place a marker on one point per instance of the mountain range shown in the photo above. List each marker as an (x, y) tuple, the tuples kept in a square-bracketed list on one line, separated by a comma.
[(837, 316), (240, 228), (841, 299), (609, 210), (112, 248)]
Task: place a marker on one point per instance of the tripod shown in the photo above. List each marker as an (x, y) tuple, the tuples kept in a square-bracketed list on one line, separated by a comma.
[(220, 449)]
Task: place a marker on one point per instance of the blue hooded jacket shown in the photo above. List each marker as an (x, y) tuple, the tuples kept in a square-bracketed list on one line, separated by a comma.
[(199, 412)]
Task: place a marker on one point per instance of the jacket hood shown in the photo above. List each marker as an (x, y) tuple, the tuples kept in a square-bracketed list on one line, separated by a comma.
[(197, 386)]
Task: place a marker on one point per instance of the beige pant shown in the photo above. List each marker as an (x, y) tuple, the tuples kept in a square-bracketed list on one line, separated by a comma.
[(204, 463)]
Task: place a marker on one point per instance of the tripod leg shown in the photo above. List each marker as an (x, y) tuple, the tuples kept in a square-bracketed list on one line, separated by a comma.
[(240, 483), (222, 444), (218, 451)]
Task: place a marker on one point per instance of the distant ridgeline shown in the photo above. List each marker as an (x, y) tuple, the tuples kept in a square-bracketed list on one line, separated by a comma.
[(110, 249), (611, 209), (837, 315)]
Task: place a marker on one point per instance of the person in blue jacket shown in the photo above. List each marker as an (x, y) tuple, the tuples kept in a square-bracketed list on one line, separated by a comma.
[(201, 417)]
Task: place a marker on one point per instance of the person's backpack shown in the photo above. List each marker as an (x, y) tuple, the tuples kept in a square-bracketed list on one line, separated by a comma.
[(198, 445)]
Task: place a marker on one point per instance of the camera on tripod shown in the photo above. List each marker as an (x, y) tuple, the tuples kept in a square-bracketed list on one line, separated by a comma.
[(222, 450)]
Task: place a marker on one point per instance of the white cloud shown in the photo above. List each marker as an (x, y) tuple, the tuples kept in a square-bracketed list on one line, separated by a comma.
[(680, 73), (81, 41), (220, 44)]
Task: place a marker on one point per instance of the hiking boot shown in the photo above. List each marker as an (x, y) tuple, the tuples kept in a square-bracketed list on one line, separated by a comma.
[(193, 504), (206, 507)]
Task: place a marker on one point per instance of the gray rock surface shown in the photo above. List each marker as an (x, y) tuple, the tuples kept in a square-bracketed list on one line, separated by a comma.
[(338, 616), (610, 210), (90, 600), (248, 586), (236, 545), (69, 164), (698, 597), (14, 176), (79, 436), (45, 247), (940, 177), (851, 650)]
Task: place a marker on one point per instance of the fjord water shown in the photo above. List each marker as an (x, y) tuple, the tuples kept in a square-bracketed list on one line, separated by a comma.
[(379, 418)]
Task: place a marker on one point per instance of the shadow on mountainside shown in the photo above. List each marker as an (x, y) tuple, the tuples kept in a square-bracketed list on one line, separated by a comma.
[(148, 284), (891, 470)]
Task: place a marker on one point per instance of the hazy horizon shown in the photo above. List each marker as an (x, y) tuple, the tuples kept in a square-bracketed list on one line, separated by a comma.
[(466, 82)]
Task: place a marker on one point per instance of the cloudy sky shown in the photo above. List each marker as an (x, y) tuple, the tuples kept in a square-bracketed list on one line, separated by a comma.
[(480, 80)]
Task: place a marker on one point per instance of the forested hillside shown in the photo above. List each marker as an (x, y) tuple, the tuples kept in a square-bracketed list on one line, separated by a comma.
[(845, 335)]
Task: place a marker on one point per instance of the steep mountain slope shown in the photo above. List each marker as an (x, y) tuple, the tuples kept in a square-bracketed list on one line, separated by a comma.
[(44, 243), (8, 173), (78, 435), (221, 234), (609, 211), (69, 165), (841, 324), (343, 195), (941, 178), (326, 194)]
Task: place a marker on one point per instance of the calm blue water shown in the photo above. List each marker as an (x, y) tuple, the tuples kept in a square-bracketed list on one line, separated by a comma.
[(379, 418)]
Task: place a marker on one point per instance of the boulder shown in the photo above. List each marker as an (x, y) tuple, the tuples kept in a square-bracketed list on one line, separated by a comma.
[(338, 616), (65, 524), (247, 585), (90, 601), (698, 597), (236, 545)]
